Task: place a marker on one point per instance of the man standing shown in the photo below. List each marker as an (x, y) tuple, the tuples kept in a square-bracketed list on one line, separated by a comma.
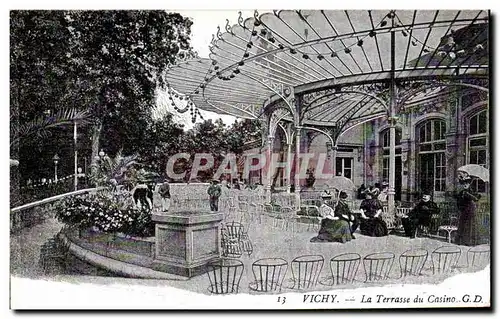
[(165, 195), (214, 191)]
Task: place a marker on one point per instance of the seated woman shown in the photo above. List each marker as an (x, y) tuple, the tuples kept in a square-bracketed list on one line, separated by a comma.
[(335, 219), (371, 224)]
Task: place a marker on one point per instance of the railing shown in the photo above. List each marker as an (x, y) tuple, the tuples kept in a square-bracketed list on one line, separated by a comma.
[(37, 212), (41, 189)]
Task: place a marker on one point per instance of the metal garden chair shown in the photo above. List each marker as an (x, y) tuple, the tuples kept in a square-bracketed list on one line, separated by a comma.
[(478, 256), (343, 268), (224, 276)]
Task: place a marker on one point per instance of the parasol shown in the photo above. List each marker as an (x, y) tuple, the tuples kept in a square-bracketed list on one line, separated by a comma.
[(475, 170), (341, 183)]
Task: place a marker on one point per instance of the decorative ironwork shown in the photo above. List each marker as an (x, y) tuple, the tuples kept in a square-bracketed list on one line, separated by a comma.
[(228, 27), (277, 115), (316, 96), (311, 135), (318, 62), (240, 20)]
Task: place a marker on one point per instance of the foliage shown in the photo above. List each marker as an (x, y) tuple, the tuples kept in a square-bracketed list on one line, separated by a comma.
[(111, 171), (124, 55), (242, 132), (39, 127), (107, 65), (38, 62), (108, 211), (164, 139), (33, 193), (107, 62)]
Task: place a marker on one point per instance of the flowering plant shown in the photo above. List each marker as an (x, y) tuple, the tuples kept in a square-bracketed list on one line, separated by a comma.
[(108, 211)]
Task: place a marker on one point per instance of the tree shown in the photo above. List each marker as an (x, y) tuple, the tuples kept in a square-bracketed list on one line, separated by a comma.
[(123, 55), (107, 62), (38, 80), (38, 75), (242, 132), (164, 139)]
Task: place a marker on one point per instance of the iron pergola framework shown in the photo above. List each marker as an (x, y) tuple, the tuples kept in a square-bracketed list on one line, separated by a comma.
[(329, 71)]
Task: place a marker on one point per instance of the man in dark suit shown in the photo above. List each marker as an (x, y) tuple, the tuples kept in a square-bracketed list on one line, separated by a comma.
[(214, 191), (420, 215)]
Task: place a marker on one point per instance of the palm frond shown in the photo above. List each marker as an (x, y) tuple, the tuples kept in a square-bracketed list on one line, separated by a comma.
[(115, 167), (40, 126)]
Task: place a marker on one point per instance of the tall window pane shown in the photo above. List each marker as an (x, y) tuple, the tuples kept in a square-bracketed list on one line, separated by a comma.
[(477, 145), (431, 164)]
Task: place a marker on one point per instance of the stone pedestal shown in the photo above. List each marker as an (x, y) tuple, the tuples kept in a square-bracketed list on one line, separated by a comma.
[(186, 241)]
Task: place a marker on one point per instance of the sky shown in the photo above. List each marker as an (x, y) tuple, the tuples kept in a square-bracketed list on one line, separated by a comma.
[(205, 24)]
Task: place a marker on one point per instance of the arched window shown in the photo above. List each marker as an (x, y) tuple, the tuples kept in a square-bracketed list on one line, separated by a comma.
[(477, 145), (431, 159)]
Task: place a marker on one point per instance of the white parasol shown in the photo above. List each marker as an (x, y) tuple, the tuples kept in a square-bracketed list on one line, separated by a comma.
[(475, 170), (341, 183)]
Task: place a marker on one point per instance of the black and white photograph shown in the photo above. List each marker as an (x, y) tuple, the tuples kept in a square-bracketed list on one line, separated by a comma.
[(250, 159)]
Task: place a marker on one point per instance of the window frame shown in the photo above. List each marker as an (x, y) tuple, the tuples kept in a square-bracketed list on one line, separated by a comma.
[(384, 136), (477, 148), (342, 168), (435, 144)]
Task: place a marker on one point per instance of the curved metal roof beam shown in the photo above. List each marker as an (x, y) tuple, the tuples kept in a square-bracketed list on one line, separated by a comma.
[(290, 107), (319, 131), (382, 102), (437, 83), (251, 115), (287, 136), (368, 119)]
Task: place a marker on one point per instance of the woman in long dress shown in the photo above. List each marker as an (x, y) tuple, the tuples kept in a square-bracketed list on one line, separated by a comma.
[(371, 224), (467, 232), (335, 221)]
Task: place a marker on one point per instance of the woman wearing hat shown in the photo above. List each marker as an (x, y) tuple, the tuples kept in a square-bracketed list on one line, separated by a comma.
[(371, 224), (383, 196), (466, 233), (335, 220)]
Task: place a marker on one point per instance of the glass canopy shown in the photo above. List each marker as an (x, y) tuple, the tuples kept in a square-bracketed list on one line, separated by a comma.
[(319, 52)]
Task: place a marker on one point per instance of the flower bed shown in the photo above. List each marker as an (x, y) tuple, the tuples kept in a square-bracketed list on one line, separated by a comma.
[(106, 210)]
